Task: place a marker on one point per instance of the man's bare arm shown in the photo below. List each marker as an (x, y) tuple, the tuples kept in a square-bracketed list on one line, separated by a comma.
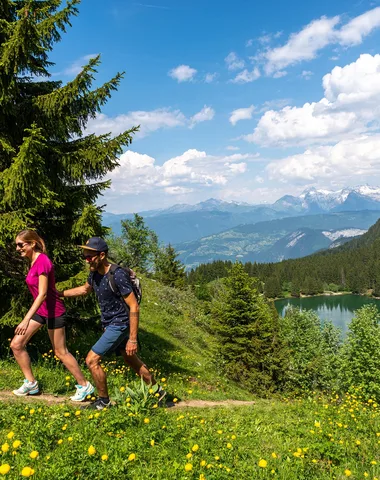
[(77, 291)]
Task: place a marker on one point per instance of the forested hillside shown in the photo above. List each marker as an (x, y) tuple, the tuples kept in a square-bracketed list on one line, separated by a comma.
[(354, 266)]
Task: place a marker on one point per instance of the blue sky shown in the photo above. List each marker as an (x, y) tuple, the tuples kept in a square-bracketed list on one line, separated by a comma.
[(241, 100)]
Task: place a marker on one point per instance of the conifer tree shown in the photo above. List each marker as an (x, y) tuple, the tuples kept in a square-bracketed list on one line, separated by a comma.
[(51, 171), (248, 331), (168, 269)]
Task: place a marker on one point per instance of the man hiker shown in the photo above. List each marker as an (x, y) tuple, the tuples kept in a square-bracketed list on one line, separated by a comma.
[(120, 324)]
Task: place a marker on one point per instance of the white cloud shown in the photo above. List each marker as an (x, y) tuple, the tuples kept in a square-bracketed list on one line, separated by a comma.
[(205, 115), (148, 121), (76, 67), (233, 62), (303, 45), (351, 106), (210, 77), (241, 114), (349, 158), (247, 76), (280, 74), (307, 74), (183, 73), (259, 179), (232, 148), (192, 170), (354, 31), (318, 34), (278, 103)]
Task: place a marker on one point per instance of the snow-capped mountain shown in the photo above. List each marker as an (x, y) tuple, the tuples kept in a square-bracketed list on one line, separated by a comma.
[(312, 200)]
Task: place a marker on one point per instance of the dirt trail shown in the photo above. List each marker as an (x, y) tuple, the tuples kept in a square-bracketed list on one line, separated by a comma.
[(52, 399)]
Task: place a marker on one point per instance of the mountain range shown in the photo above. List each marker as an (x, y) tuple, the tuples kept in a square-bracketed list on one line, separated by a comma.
[(217, 229)]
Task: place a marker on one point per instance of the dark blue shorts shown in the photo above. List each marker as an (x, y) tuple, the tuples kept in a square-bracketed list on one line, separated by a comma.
[(114, 338)]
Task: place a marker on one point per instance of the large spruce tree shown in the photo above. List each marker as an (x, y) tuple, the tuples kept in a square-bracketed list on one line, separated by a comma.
[(50, 170)]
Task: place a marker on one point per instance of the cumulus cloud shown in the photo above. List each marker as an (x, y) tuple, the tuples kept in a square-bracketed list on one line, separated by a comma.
[(183, 73), (359, 156), (77, 66), (351, 105), (149, 122), (139, 173), (205, 115), (241, 114), (307, 74), (318, 34), (210, 77), (247, 76), (233, 62)]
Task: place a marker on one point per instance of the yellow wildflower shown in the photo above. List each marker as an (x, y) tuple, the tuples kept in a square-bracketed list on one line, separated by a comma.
[(5, 447), (27, 472), (373, 462), (70, 439), (132, 457), (348, 473), (317, 424), (91, 450), (189, 455), (77, 413), (10, 435), (31, 411), (229, 445), (16, 443), (203, 463), (263, 463), (4, 469), (188, 467), (60, 441), (195, 448), (104, 457), (33, 454), (146, 420), (274, 455)]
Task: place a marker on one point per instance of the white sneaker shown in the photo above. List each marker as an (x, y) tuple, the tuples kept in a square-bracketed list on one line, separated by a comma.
[(27, 388), (82, 392)]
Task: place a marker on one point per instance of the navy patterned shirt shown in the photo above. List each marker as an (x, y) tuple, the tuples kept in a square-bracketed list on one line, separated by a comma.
[(112, 306)]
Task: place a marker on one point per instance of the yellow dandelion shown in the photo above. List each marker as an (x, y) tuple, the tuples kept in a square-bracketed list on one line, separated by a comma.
[(77, 413), (31, 411), (70, 439), (348, 473), (27, 472), (263, 463), (233, 437), (203, 463), (188, 467), (122, 389), (202, 477), (317, 424), (91, 450), (104, 458), (189, 455), (132, 457), (220, 432), (16, 443), (60, 441), (175, 400), (274, 455), (146, 420), (373, 462), (4, 469), (152, 443), (67, 378), (5, 447), (229, 445), (195, 448), (163, 380), (33, 454), (10, 435)]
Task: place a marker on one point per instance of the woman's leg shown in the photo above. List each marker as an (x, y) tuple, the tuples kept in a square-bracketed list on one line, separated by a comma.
[(58, 341), (18, 345)]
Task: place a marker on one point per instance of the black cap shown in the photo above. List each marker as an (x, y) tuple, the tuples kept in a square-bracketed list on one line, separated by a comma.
[(96, 244)]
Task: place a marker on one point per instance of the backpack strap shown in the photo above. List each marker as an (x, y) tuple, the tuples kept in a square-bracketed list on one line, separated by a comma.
[(111, 279), (115, 290)]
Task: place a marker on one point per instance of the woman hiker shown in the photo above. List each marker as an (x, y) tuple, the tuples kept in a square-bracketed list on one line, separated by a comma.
[(47, 309)]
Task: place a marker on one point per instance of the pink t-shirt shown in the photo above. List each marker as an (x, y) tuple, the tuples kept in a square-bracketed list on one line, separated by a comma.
[(52, 306)]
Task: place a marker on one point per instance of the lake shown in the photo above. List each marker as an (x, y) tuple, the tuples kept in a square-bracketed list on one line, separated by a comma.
[(337, 308)]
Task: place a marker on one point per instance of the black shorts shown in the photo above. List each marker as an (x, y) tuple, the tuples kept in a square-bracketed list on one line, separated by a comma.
[(52, 323)]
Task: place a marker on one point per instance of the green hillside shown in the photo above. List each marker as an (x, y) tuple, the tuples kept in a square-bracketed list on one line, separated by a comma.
[(354, 266)]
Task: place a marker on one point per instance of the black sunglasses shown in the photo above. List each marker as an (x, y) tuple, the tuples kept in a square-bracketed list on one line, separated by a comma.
[(21, 245), (90, 257)]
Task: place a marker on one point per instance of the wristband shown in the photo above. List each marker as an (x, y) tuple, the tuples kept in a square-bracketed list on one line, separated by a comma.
[(133, 342)]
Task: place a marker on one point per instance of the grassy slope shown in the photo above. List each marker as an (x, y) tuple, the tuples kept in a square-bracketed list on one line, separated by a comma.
[(174, 344)]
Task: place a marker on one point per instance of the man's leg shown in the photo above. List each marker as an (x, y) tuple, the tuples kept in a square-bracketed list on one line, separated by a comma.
[(139, 367), (97, 372)]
